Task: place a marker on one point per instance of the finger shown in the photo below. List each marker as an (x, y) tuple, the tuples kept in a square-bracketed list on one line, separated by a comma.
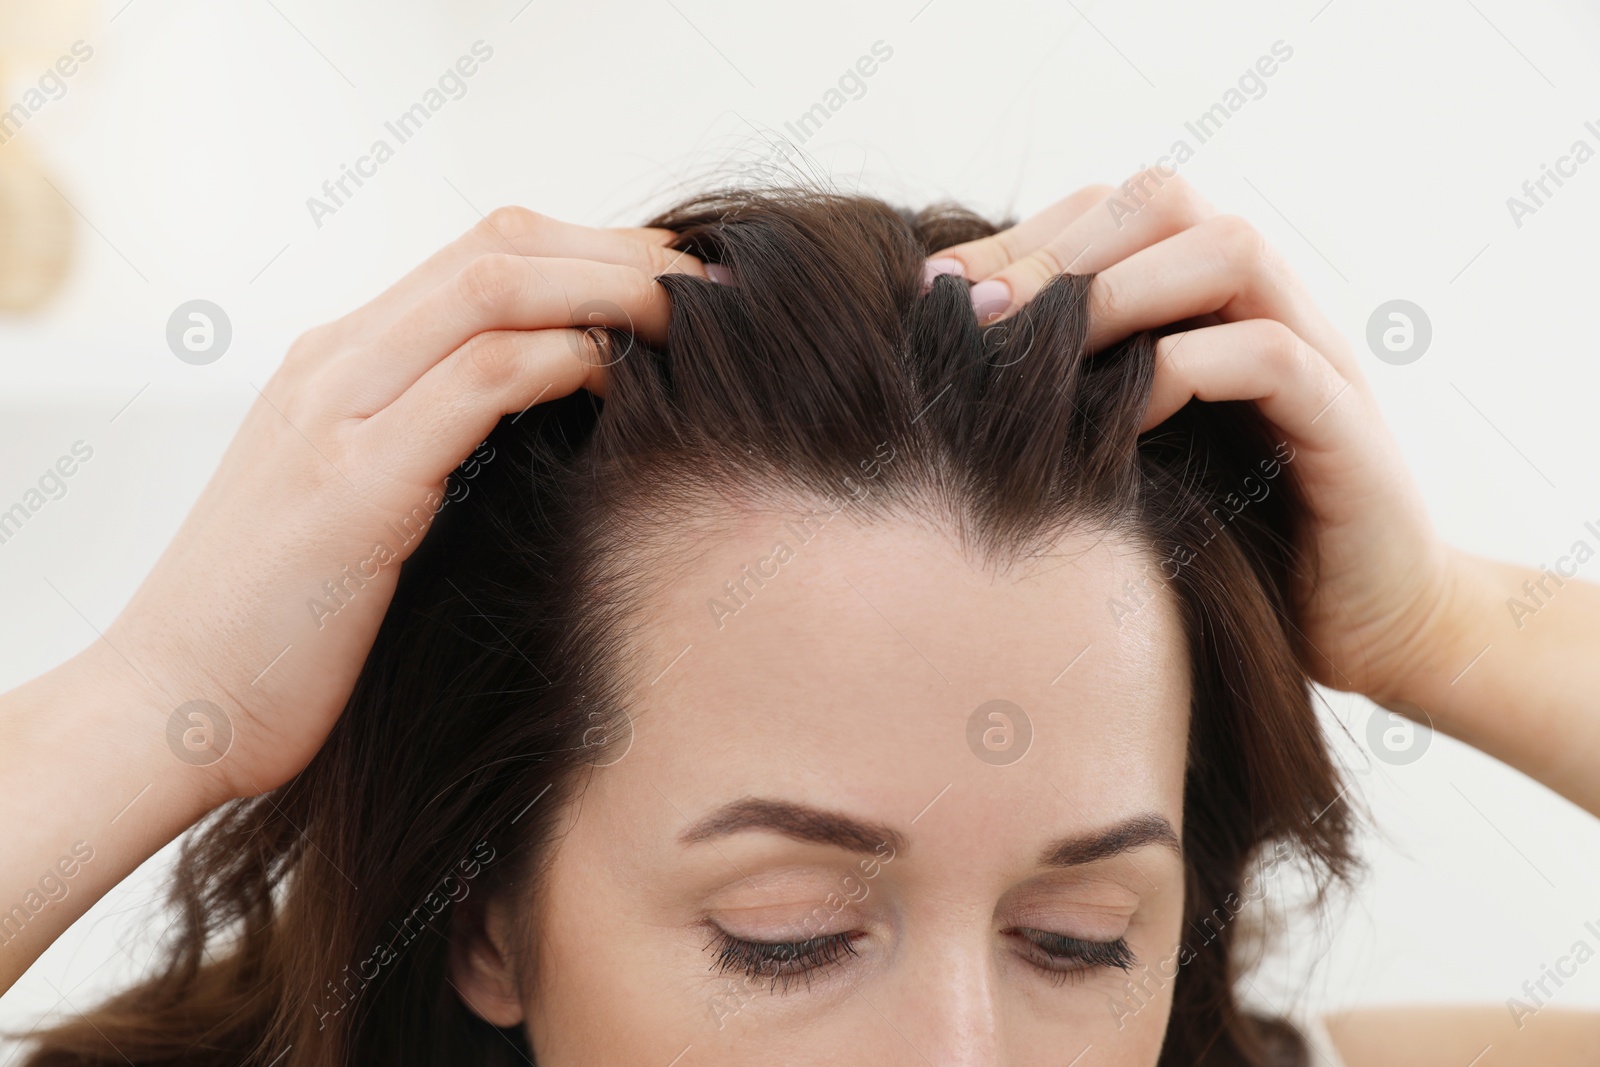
[(980, 258), (1148, 208), (1223, 267), (656, 235), (520, 232), (497, 292), (454, 406), (1260, 360)]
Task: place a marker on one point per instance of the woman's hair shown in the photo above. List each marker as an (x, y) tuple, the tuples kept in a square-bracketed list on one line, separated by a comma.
[(317, 916)]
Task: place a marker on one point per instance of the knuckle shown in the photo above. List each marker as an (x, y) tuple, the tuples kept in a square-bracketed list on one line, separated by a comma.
[(1106, 301), (310, 347), (985, 255), (1282, 347), (1047, 262), (1241, 243), (303, 402), (663, 259), (513, 223), (1178, 202), (1166, 345), (1152, 178), (999, 248), (1099, 196), (491, 358), (1028, 275), (644, 289), (488, 283), (315, 385), (637, 291)]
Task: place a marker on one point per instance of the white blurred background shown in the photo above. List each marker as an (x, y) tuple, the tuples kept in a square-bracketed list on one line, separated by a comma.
[(175, 164)]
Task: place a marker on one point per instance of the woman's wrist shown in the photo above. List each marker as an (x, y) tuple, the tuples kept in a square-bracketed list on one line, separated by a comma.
[(1451, 634), (90, 789), (1518, 688), (133, 733)]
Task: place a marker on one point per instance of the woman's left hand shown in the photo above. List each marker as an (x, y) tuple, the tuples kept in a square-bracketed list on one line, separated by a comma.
[(1379, 609)]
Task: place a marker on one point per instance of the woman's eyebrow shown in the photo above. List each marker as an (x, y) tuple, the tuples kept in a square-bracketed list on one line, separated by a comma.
[(1125, 836), (798, 821), (805, 823)]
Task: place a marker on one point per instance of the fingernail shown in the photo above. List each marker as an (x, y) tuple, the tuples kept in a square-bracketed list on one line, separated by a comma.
[(990, 297), (719, 274), (932, 268)]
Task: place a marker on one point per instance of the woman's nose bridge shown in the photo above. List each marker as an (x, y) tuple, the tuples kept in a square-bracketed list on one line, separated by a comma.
[(950, 1001)]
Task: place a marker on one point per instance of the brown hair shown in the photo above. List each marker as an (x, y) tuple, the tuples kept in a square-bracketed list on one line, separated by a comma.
[(315, 918)]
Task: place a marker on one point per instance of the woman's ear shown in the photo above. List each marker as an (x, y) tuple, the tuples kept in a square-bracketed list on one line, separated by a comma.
[(480, 959)]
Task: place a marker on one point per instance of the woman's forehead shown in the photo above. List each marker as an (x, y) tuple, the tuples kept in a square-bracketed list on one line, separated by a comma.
[(877, 659)]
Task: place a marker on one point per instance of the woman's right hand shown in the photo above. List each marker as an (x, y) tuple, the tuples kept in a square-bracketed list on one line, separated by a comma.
[(221, 678), (339, 468)]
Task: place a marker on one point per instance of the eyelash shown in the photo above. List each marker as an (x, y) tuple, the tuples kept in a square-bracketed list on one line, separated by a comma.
[(785, 961), (1082, 956), (782, 961)]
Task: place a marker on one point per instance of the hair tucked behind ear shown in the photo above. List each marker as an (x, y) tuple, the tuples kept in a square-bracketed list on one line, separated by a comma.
[(315, 918)]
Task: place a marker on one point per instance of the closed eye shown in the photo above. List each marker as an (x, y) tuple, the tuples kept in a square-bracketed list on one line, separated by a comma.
[(780, 961), (1070, 958)]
